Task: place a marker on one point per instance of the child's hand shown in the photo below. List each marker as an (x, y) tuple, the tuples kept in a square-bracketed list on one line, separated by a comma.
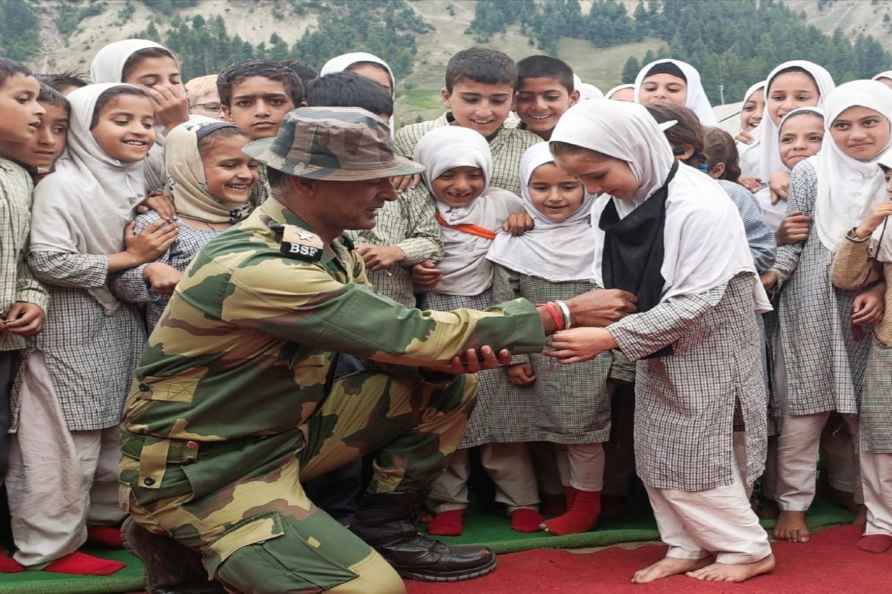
[(518, 223), (405, 182), (779, 184), (171, 105), (750, 183), (869, 306), (794, 229), (162, 277), (580, 344), (769, 280), (744, 137), (161, 203), (379, 257), (23, 319), (426, 275), (151, 243), (521, 374), (875, 219)]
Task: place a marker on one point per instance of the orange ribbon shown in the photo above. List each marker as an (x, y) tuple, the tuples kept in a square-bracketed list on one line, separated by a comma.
[(467, 228)]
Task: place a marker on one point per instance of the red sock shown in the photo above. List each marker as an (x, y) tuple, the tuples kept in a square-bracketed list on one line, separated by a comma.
[(105, 536), (570, 496), (581, 517), (448, 523), (525, 520), (9, 565), (78, 563), (875, 543)]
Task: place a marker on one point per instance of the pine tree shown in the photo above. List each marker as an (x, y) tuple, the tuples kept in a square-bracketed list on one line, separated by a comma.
[(630, 69)]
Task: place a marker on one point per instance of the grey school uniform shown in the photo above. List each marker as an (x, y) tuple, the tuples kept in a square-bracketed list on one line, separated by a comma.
[(824, 360), (685, 402), (131, 285), (90, 354), (568, 404)]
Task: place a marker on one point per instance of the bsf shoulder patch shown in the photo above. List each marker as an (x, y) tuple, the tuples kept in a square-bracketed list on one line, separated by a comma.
[(301, 244)]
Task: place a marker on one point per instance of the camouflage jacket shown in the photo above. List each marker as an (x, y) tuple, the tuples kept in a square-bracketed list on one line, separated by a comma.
[(244, 348)]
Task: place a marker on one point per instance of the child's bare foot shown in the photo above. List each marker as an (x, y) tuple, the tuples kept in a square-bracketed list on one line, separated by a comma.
[(723, 572), (791, 527), (668, 567)]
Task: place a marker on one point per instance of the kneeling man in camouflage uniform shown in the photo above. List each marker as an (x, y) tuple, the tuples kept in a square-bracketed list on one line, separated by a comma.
[(236, 401)]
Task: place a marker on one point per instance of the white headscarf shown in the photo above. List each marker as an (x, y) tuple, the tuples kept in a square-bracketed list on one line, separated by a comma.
[(749, 153), (766, 133), (883, 74), (557, 252), (609, 94), (848, 188), (108, 63), (773, 214), (84, 205), (586, 91), (466, 271), (704, 241), (696, 100), (883, 233)]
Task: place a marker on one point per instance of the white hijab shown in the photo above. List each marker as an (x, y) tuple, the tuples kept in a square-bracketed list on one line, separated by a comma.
[(466, 271), (773, 214), (557, 252), (883, 234), (766, 133), (883, 74), (84, 205), (848, 188), (704, 240), (749, 153), (609, 94), (586, 91), (108, 63), (697, 101)]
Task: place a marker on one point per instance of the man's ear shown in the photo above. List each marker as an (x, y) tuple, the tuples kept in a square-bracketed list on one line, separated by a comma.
[(717, 171), (574, 98), (687, 154)]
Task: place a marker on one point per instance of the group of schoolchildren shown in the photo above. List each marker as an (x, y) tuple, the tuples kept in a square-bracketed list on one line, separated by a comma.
[(759, 265)]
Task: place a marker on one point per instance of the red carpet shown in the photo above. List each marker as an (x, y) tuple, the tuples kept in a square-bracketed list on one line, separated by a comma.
[(829, 564)]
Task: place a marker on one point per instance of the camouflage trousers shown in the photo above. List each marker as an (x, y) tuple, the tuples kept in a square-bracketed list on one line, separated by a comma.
[(242, 506)]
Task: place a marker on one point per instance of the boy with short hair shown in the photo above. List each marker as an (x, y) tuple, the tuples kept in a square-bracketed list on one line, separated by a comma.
[(255, 96), (479, 92), (39, 153), (63, 82), (23, 300), (545, 90)]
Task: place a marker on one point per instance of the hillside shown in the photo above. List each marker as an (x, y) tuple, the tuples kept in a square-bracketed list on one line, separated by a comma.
[(256, 20)]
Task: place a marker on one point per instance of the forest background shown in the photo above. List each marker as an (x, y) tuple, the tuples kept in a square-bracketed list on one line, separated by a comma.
[(732, 42)]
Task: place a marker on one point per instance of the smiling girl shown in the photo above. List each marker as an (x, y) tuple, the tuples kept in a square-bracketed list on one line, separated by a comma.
[(211, 184), (824, 331), (64, 458), (674, 81), (569, 406), (458, 173)]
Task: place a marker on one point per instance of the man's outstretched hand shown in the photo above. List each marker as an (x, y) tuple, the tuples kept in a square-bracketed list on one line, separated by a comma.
[(474, 360), (601, 307)]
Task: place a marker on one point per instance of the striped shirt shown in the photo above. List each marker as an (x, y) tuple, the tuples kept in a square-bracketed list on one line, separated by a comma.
[(16, 281), (507, 148)]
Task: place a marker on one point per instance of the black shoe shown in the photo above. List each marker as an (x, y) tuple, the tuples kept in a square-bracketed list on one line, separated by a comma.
[(386, 523), (171, 568)]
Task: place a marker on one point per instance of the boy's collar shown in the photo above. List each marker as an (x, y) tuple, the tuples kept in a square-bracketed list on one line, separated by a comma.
[(450, 120)]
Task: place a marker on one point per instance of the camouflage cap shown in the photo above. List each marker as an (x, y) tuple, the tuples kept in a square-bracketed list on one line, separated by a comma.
[(332, 143)]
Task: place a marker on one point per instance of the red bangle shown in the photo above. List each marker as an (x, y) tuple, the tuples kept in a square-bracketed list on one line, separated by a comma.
[(556, 316)]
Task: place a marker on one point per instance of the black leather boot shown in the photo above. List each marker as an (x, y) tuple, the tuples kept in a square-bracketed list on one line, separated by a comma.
[(171, 568), (386, 522)]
